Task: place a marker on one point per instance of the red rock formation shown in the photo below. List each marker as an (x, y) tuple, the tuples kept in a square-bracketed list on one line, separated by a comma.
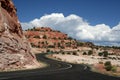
[(14, 48), (45, 37)]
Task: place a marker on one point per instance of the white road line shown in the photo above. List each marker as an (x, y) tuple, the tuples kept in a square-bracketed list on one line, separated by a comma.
[(85, 67), (70, 66)]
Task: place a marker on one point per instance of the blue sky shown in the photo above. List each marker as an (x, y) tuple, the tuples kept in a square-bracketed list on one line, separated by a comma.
[(94, 11), (87, 20)]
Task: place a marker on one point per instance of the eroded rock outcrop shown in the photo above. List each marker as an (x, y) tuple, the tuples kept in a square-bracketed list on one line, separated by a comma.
[(45, 37), (14, 49)]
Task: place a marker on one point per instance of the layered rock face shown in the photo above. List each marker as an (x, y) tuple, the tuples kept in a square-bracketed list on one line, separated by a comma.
[(14, 48)]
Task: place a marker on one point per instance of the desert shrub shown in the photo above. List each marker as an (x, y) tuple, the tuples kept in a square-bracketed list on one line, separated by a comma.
[(78, 50), (38, 46), (54, 38), (68, 52), (62, 47), (114, 69), (44, 37), (108, 66), (105, 53), (80, 43), (70, 38), (107, 63), (37, 37), (84, 53), (68, 44), (100, 62), (59, 45), (57, 52), (51, 46), (90, 52), (63, 52), (100, 54), (48, 50), (74, 53), (33, 45)]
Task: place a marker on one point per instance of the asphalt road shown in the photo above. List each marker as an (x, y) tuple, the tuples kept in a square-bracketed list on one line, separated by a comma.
[(56, 70)]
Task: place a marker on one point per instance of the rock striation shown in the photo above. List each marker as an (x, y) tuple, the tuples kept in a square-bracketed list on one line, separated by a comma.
[(15, 51)]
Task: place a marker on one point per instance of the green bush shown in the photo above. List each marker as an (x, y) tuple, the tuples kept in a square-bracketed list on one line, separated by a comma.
[(90, 52), (51, 46), (80, 43), (108, 66), (33, 45), (37, 37), (107, 63), (114, 69), (44, 37), (68, 53), (70, 38), (74, 53), (59, 45), (105, 53), (100, 62), (68, 44), (62, 47), (48, 50), (100, 54), (84, 53)]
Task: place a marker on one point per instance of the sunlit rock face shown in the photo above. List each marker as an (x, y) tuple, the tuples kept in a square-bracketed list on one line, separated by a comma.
[(14, 48)]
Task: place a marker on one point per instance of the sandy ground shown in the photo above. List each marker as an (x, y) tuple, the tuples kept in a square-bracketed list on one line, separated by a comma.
[(38, 65), (93, 61), (84, 59)]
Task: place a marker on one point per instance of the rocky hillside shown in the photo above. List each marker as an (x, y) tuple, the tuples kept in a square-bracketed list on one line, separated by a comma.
[(14, 49), (45, 37)]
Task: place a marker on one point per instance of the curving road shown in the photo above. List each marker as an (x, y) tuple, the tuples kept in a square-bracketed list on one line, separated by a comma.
[(56, 70)]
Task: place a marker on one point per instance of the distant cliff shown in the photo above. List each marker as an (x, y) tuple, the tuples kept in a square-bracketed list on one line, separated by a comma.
[(14, 49)]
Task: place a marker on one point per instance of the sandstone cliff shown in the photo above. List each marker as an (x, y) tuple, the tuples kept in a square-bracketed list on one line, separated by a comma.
[(14, 49)]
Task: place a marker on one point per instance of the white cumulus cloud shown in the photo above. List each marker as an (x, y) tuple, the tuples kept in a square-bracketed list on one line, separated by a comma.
[(78, 28)]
